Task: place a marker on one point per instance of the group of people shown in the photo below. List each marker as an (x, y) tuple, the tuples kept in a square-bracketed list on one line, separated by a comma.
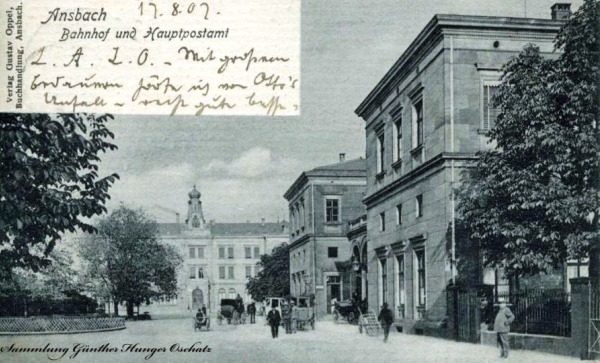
[(289, 315)]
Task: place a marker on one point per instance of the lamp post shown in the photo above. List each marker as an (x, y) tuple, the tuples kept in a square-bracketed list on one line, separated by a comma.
[(209, 295)]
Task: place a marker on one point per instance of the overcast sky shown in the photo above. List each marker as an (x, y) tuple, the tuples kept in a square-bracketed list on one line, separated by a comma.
[(243, 165)]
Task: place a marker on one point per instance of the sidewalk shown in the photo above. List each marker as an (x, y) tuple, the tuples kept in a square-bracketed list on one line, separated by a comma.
[(329, 342)]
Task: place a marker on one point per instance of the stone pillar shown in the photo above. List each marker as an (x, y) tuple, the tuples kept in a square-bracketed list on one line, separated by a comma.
[(580, 316), (452, 301)]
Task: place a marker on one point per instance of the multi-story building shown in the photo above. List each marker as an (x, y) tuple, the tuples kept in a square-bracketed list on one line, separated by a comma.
[(218, 257), (322, 201), (425, 122)]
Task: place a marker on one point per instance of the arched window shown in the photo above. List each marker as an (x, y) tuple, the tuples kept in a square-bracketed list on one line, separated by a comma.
[(232, 293), (221, 294)]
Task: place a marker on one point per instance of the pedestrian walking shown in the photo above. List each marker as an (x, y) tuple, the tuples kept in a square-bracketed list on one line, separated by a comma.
[(502, 326), (333, 301), (386, 319), (286, 314), (252, 312), (294, 318), (274, 319)]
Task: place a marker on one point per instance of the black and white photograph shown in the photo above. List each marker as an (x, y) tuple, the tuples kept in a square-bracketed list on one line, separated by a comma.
[(356, 181)]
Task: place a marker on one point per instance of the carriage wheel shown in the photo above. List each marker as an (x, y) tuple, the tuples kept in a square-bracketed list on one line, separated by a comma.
[(351, 318), (336, 316)]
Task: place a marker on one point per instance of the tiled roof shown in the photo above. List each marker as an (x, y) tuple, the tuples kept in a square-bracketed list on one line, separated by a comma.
[(170, 228), (350, 165), (231, 229), (356, 168), (248, 229)]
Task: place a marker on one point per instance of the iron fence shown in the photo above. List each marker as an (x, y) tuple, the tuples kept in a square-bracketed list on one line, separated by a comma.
[(62, 324), (540, 311)]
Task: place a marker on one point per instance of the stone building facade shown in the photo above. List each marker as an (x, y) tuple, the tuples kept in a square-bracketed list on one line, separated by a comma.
[(425, 122), (218, 257), (321, 202)]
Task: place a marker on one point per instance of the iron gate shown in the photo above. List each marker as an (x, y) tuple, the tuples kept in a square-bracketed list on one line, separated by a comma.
[(594, 325), (467, 315)]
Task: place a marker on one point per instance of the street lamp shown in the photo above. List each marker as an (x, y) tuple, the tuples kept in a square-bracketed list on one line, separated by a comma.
[(355, 264), (209, 295)]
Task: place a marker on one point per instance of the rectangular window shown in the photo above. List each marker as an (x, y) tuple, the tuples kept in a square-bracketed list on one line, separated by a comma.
[(396, 116), (399, 214), (231, 275), (248, 271), (332, 252), (401, 294), (192, 252), (398, 126), (248, 252), (221, 252), (192, 272), (332, 210), (380, 151), (382, 221), (256, 252), (200, 253), (222, 272), (489, 113), (418, 112), (383, 280), (230, 252), (200, 273), (419, 205), (421, 278)]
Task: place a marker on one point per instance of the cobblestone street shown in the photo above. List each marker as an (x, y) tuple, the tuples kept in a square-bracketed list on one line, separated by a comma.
[(253, 343)]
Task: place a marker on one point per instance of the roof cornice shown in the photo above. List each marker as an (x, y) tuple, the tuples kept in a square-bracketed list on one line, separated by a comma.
[(439, 25)]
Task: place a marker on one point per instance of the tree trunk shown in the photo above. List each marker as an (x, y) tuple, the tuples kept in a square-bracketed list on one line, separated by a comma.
[(130, 308), (116, 307)]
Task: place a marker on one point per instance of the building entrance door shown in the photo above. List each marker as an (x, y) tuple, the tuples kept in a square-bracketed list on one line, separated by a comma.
[(333, 292), (197, 299)]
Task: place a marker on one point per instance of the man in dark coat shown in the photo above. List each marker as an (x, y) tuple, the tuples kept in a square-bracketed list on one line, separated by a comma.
[(252, 312), (502, 326), (274, 319), (386, 319)]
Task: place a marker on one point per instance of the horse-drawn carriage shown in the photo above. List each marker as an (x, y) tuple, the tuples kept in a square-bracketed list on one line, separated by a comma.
[(202, 320), (347, 310), (306, 312), (231, 310)]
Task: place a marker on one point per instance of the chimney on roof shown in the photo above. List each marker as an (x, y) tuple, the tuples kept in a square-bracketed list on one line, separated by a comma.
[(342, 157), (561, 11)]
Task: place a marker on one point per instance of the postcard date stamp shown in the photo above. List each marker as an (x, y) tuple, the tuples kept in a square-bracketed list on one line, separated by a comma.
[(166, 57)]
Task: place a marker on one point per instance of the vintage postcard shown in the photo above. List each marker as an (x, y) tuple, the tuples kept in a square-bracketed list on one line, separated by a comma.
[(259, 180)]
